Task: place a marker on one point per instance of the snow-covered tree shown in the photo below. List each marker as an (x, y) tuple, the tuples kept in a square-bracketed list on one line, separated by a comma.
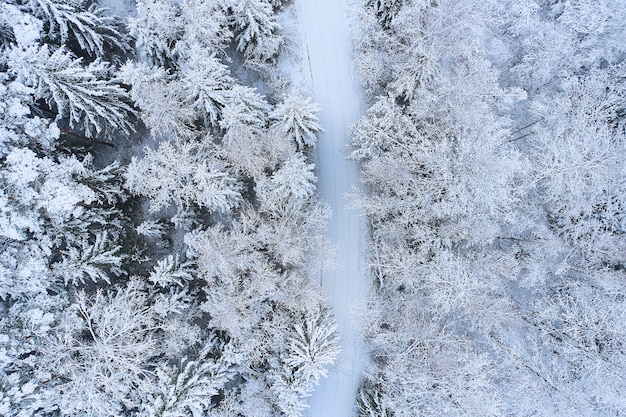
[(578, 168), (290, 391), (183, 174), (206, 25), (256, 29), (314, 347), (372, 57), (245, 107), (79, 21), (18, 26), (289, 222), (165, 107), (192, 388), (18, 125), (87, 95), (208, 82), (58, 209), (96, 261), (294, 180), (23, 326), (101, 351), (156, 29), (296, 118), (385, 10), (371, 402), (251, 153), (171, 271), (281, 341), (151, 229), (223, 317)]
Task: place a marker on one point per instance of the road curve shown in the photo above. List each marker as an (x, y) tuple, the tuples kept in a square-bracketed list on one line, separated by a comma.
[(327, 51)]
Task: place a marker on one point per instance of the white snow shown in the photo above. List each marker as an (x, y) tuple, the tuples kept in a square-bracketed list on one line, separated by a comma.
[(26, 27), (120, 8), (327, 55)]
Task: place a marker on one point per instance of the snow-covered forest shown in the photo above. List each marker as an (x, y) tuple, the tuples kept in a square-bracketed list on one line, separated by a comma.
[(493, 150), (161, 235), (162, 232)]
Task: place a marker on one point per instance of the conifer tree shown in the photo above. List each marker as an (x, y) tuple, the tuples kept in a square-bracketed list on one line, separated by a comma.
[(87, 95)]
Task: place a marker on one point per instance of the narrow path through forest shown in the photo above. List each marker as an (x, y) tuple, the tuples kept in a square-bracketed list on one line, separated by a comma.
[(326, 40)]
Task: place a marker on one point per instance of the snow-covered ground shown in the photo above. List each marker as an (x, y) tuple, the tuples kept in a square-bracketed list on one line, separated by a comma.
[(326, 39), (120, 8)]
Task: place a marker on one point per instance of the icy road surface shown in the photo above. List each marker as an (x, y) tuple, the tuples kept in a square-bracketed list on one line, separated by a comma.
[(328, 57)]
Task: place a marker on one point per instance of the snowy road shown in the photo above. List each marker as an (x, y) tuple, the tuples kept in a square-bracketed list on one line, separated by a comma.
[(327, 48)]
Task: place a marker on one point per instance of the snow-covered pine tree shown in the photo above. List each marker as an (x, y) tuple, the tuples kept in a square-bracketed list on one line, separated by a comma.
[(245, 107), (166, 109), (97, 261), (18, 125), (313, 347), (206, 26), (208, 83), (53, 213), (24, 323), (293, 180), (385, 10), (191, 388), (290, 390), (156, 29), (184, 174), (151, 229), (296, 118), (256, 29), (87, 95), (79, 21), (171, 271)]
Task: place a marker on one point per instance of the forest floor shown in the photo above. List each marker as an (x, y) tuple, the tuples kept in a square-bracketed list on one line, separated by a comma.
[(327, 53)]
